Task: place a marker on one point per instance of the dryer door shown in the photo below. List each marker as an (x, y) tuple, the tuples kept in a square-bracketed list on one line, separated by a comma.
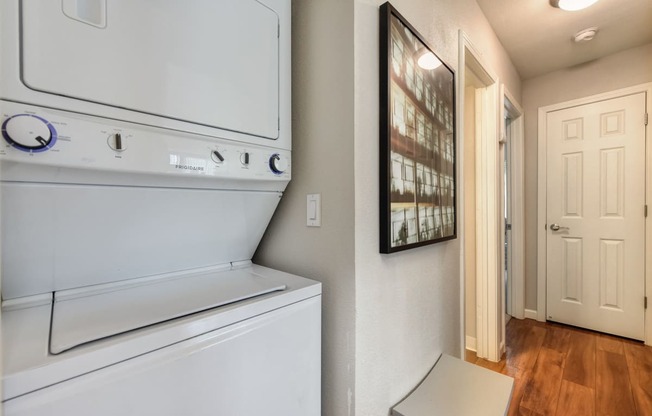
[(210, 62)]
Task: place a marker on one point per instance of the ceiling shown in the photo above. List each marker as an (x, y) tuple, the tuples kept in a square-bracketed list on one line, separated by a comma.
[(538, 37)]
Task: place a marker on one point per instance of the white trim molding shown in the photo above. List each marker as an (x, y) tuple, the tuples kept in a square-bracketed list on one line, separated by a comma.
[(542, 197), (648, 220), (461, 200), (541, 215), (511, 149), (489, 286), (512, 108), (470, 343), (530, 314)]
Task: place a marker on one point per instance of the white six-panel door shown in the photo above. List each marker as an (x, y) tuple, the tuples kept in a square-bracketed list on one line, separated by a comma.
[(595, 215)]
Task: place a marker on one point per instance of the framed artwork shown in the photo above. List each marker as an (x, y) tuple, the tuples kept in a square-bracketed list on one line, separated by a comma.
[(417, 139)]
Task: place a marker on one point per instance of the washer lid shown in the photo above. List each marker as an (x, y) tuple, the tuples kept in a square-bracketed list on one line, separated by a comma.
[(89, 314)]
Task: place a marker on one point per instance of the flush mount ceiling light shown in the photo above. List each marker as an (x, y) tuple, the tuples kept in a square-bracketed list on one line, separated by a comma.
[(572, 5), (428, 61), (585, 35)]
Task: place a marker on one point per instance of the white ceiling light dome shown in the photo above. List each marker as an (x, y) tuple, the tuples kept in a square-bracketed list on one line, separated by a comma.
[(428, 61), (572, 5)]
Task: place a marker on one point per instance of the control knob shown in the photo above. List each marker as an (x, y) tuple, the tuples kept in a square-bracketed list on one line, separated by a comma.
[(217, 156), (278, 164), (244, 158), (29, 133), (117, 142)]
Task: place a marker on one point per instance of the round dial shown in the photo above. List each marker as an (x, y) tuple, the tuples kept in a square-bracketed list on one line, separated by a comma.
[(117, 142), (29, 133), (278, 164)]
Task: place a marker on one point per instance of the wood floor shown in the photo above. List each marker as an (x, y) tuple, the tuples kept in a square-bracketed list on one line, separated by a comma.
[(566, 371)]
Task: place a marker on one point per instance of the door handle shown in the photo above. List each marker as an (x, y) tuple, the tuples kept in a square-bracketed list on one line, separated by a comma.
[(557, 227)]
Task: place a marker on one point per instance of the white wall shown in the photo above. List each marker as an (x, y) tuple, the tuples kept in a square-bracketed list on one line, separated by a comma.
[(386, 317), (322, 162), (620, 70), (407, 303)]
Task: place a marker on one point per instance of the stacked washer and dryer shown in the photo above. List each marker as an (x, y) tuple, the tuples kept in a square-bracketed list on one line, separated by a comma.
[(146, 145)]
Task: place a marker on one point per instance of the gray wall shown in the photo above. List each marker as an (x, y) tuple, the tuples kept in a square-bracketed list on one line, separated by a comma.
[(386, 317), (407, 303), (620, 70), (322, 162)]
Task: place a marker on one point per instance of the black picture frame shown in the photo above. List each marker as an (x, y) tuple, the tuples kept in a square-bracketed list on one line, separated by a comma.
[(417, 139)]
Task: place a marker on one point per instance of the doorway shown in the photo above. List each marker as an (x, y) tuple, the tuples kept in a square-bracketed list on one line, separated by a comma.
[(484, 299), (471, 84), (596, 220), (593, 168), (480, 261), (507, 216), (512, 199)]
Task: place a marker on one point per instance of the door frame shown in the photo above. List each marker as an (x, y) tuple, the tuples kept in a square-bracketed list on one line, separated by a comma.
[(512, 108), (542, 195), (489, 315)]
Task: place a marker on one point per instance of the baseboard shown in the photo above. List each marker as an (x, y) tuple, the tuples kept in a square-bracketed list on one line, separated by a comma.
[(471, 343), (531, 314)]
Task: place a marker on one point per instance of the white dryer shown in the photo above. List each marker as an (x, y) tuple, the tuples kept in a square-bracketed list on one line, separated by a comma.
[(145, 146)]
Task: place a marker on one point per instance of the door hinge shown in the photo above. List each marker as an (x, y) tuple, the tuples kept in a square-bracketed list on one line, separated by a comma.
[(645, 211), (645, 302), (646, 119)]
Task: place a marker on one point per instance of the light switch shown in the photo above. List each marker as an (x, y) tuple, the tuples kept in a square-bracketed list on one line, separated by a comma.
[(313, 214), (312, 210)]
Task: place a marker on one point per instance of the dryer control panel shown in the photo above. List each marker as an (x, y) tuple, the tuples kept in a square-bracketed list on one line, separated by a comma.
[(62, 139)]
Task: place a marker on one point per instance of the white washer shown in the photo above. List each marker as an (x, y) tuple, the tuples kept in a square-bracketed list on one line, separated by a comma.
[(127, 282), (251, 357)]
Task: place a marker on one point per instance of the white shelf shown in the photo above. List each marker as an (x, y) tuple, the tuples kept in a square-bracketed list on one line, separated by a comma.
[(457, 388)]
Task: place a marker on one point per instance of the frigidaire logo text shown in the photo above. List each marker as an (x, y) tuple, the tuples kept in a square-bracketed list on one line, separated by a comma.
[(188, 167)]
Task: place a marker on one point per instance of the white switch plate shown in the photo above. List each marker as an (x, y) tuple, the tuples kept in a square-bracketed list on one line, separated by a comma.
[(313, 210)]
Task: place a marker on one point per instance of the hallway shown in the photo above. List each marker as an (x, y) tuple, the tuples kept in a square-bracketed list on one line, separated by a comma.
[(566, 371)]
